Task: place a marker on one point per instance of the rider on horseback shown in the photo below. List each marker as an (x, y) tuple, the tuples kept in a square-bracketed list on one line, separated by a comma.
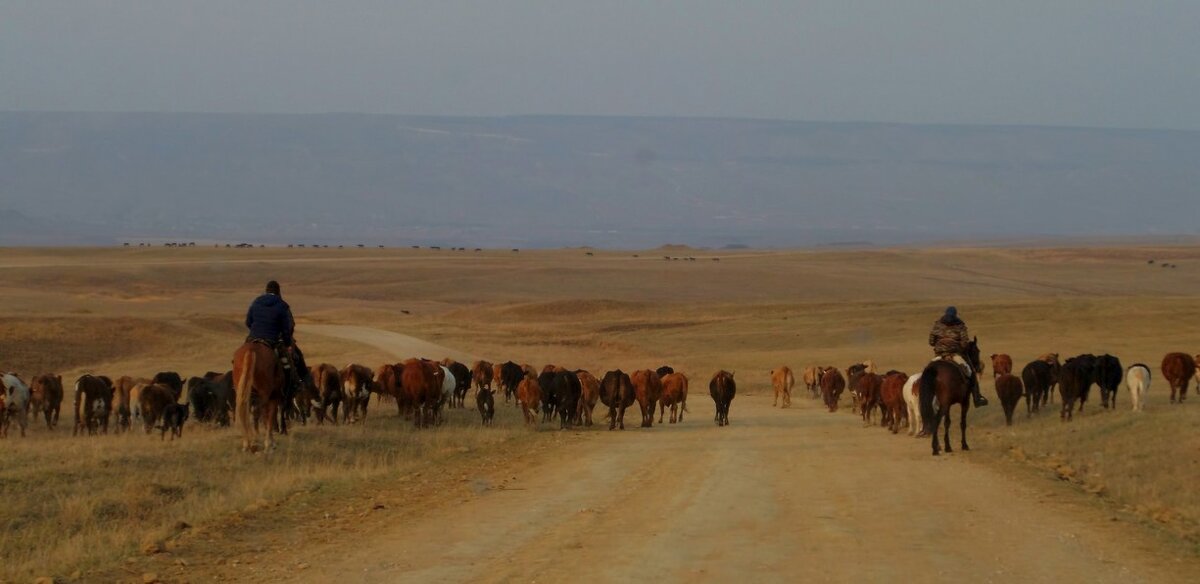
[(949, 340), (270, 322)]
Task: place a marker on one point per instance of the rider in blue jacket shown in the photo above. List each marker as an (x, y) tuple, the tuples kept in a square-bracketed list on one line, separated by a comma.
[(270, 319)]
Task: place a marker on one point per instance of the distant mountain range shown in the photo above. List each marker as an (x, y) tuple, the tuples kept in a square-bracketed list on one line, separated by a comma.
[(101, 178)]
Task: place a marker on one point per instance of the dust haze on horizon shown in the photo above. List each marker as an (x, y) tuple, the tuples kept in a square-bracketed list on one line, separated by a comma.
[(578, 123)]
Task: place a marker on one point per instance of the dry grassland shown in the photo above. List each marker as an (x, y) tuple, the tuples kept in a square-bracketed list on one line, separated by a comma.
[(87, 504)]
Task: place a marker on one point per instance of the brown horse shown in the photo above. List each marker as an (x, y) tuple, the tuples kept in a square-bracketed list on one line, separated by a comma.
[(257, 372), (946, 382), (46, 395)]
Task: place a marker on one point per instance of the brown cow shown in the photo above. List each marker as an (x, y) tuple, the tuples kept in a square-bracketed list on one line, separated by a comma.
[(529, 396), (1001, 365), (45, 396), (674, 394), (329, 391), (783, 381), (812, 381), (868, 389), (1009, 389), (154, 399), (891, 394), (481, 374), (1178, 369), (126, 402), (647, 388), (616, 392), (497, 372), (93, 404), (357, 382), (589, 395), (420, 388), (832, 385)]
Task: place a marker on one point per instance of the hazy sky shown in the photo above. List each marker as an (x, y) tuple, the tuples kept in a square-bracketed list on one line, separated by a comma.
[(1085, 62)]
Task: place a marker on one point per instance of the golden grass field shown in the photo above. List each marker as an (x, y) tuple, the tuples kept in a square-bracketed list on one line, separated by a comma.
[(84, 508)]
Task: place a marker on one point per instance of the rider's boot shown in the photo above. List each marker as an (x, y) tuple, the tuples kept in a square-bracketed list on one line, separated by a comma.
[(979, 400)]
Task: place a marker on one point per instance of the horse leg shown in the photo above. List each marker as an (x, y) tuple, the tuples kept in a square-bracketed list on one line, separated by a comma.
[(269, 412), (962, 425)]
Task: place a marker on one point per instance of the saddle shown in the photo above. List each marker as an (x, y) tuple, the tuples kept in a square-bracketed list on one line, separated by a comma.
[(963, 367)]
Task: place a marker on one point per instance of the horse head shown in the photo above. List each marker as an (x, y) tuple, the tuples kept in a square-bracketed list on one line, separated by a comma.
[(972, 356)]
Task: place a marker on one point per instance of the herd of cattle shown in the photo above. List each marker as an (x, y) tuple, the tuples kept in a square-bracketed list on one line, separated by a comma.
[(895, 393), (421, 389)]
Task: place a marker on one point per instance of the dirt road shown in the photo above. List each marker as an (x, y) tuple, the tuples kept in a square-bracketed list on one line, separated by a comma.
[(779, 495)]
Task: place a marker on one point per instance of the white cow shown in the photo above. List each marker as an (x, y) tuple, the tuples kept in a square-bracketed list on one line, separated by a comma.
[(16, 403), (1137, 379), (912, 400)]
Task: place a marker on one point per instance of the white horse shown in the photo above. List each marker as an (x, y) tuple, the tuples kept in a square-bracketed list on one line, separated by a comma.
[(16, 400), (912, 401), (449, 382), (1137, 379)]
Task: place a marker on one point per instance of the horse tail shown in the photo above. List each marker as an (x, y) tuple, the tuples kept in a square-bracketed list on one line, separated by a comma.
[(244, 387), (928, 389)]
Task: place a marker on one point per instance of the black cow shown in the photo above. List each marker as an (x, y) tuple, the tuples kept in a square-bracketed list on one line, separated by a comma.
[(1107, 375), (173, 417), (211, 397), (462, 383), (1037, 377), (1074, 382), (722, 388), (567, 390), (511, 375), (616, 392), (549, 395), (664, 371), (172, 380)]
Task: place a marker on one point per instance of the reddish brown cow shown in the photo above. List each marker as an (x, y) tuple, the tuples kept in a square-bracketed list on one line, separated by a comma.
[(529, 395), (45, 396), (891, 394), (481, 374), (419, 386), (674, 394), (357, 383), (812, 381), (782, 381), (154, 399), (832, 385), (647, 388), (1001, 365), (868, 389), (1009, 389), (589, 395), (1178, 369), (329, 391)]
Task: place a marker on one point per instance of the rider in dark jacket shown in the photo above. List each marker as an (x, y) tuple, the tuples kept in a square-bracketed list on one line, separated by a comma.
[(949, 340), (270, 319)]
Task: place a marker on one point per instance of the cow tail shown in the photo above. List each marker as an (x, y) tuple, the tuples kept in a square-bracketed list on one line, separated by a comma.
[(243, 390), (928, 386)]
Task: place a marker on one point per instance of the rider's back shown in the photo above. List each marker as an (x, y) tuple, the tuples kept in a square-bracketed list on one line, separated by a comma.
[(268, 317)]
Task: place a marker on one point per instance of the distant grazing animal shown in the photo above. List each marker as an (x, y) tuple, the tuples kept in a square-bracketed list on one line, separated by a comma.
[(832, 385), (16, 403), (1137, 378), (1074, 382), (944, 382), (647, 386), (722, 388), (486, 404), (782, 382), (1107, 374), (155, 398), (462, 382), (674, 395), (1001, 365), (1178, 369), (891, 397), (1009, 389), (329, 391), (173, 418), (812, 381), (170, 379), (481, 373), (357, 381), (1051, 359), (869, 385), (88, 390), (589, 388), (529, 396), (420, 386), (1037, 377), (46, 395), (617, 393), (912, 401)]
